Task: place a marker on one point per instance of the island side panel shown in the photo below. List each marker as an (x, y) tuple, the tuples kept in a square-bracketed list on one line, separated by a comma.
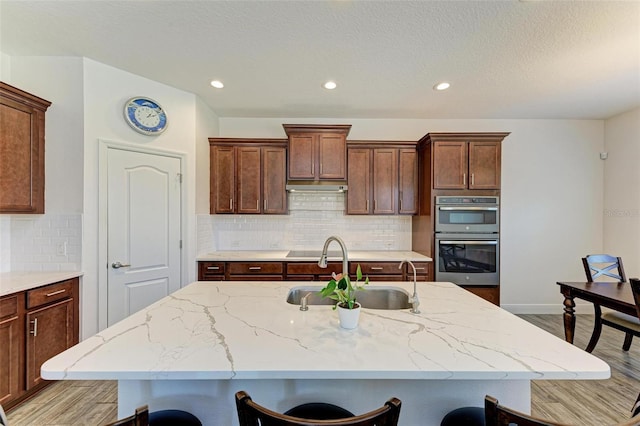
[(424, 402)]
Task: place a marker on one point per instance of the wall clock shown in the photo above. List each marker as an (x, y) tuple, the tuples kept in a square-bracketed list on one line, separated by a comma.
[(145, 115)]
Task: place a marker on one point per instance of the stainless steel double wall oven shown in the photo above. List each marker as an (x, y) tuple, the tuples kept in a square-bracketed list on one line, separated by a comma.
[(467, 240)]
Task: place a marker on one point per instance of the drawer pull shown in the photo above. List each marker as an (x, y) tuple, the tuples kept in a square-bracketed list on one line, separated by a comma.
[(213, 268), (376, 268), (254, 268), (35, 327), (420, 269), (56, 292)]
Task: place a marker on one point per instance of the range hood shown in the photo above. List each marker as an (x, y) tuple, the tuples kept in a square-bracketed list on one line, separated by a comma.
[(316, 186)]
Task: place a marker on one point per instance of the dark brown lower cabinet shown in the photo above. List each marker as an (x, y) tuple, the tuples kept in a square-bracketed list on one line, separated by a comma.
[(50, 333), (489, 293), (11, 348), (35, 325)]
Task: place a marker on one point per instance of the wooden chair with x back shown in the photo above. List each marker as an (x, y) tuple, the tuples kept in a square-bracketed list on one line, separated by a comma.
[(252, 414), (598, 267)]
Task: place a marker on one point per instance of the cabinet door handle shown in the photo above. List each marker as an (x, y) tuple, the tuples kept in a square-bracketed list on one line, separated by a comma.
[(35, 327), (213, 268), (56, 292), (376, 268), (254, 268), (367, 205), (265, 204), (231, 204), (313, 169), (401, 201), (257, 205), (473, 179), (464, 178)]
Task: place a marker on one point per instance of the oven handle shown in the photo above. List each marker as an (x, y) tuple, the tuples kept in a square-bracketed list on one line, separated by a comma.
[(470, 242), (468, 208)]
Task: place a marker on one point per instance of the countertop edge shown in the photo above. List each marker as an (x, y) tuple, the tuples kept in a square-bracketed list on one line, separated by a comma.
[(17, 281)]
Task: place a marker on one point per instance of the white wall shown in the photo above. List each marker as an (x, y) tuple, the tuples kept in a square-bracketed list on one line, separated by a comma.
[(206, 127), (106, 89), (552, 193), (622, 190)]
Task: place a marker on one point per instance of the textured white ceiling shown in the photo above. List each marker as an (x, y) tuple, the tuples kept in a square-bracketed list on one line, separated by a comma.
[(504, 59)]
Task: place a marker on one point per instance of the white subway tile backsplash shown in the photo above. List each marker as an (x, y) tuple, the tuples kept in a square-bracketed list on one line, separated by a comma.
[(50, 242), (312, 218)]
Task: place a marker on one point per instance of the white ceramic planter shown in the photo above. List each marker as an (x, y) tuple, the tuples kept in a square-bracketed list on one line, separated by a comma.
[(349, 317)]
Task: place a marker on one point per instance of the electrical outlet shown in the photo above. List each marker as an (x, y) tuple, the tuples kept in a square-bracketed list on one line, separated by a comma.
[(61, 249)]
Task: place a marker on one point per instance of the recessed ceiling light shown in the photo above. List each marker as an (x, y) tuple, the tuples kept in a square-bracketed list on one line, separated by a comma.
[(330, 85), (441, 86), (217, 84)]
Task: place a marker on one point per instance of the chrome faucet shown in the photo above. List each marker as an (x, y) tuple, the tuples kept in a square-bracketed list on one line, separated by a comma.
[(415, 302), (345, 259)]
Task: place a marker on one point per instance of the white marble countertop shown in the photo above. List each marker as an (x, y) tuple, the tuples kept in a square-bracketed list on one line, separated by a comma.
[(281, 256), (246, 330), (14, 282)]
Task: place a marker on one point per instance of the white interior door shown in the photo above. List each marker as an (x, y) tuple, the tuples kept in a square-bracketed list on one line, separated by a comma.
[(143, 230)]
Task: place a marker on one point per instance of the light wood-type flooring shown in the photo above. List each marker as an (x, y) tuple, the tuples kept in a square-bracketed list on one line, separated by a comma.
[(577, 402)]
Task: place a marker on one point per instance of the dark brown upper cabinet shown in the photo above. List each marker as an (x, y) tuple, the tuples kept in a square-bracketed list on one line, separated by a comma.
[(317, 152), (21, 151), (466, 161), (382, 178), (247, 176)]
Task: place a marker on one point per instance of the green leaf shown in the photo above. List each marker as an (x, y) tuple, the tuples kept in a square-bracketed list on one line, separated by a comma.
[(342, 284), (358, 273)]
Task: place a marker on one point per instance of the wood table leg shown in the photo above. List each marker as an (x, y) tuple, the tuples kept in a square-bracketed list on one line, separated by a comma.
[(569, 315)]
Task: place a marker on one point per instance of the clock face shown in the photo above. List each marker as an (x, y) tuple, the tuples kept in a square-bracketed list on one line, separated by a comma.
[(145, 115)]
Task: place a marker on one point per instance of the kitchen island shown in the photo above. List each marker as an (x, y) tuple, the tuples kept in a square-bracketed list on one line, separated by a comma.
[(195, 348)]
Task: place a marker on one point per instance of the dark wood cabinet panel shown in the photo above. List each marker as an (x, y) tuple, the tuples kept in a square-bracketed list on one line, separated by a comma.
[(49, 332), (258, 268), (11, 349), (382, 180), (302, 157), (249, 184), (332, 156), (223, 179), (274, 166), (359, 181), (247, 176), (408, 181), (211, 271), (491, 294), (317, 151), (484, 165), (22, 120), (385, 181), (35, 325), (450, 165), (466, 164)]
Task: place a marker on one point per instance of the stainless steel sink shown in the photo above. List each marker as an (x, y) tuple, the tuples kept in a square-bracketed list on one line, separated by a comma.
[(372, 297)]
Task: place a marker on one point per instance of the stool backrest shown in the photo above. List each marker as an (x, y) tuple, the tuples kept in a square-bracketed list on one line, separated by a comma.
[(252, 414)]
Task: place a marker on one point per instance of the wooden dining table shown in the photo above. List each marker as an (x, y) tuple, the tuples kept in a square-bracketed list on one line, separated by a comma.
[(614, 295)]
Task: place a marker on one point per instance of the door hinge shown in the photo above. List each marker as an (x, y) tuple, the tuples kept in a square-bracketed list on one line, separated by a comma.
[(180, 243), (180, 177)]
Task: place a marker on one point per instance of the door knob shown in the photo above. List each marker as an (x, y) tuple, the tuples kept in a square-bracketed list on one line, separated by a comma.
[(117, 265)]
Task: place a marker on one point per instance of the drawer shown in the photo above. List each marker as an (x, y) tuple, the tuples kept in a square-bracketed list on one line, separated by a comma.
[(306, 268), (373, 268), (422, 268), (49, 293), (258, 268), (8, 306), (210, 270)]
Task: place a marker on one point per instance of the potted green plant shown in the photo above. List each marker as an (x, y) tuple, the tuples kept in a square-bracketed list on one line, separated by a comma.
[(341, 289)]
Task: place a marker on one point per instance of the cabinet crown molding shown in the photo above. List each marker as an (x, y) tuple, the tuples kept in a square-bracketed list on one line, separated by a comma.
[(317, 128), (10, 92)]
